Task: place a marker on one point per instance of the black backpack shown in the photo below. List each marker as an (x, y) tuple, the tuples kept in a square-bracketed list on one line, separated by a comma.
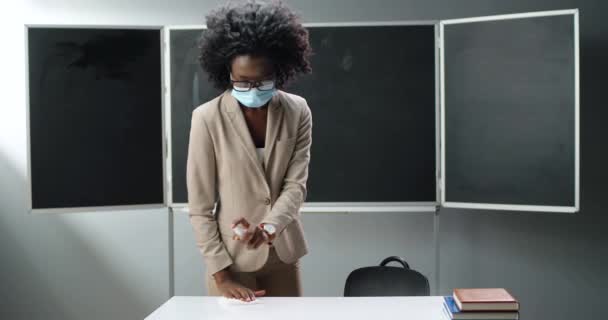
[(386, 281)]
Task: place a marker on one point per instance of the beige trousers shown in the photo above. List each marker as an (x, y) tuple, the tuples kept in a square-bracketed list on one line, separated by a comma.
[(276, 277)]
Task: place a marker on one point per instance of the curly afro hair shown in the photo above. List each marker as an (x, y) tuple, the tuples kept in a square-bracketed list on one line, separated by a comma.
[(254, 28)]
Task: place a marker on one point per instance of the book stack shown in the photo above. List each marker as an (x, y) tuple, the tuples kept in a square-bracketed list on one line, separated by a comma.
[(481, 304)]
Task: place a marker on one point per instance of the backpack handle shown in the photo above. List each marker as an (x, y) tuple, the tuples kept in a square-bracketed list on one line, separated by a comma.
[(395, 259)]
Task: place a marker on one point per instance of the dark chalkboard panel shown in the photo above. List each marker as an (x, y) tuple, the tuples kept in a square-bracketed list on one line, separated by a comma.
[(372, 94), (189, 88), (95, 117), (510, 111)]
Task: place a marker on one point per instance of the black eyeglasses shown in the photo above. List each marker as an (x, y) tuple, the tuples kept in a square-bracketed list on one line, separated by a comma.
[(262, 85)]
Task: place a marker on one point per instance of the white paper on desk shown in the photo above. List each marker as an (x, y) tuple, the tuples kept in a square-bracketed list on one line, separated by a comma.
[(228, 302)]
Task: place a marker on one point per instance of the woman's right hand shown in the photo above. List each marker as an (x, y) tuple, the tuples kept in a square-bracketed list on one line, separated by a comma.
[(234, 290)]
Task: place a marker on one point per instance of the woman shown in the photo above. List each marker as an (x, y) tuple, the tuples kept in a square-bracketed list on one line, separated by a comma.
[(249, 152)]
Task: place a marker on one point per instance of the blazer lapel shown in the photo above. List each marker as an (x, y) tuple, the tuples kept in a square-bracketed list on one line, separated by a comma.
[(273, 126), (237, 120)]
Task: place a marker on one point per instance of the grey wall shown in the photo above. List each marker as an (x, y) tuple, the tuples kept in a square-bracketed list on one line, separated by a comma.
[(115, 264)]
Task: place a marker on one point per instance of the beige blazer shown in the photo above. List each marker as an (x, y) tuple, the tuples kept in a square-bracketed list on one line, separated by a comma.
[(223, 168)]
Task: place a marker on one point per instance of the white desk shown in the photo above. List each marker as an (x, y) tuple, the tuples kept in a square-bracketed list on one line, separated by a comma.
[(317, 308)]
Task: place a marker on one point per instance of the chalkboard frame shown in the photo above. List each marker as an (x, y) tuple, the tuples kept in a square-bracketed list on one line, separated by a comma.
[(513, 207), (167, 117), (330, 206), (30, 208), (316, 206)]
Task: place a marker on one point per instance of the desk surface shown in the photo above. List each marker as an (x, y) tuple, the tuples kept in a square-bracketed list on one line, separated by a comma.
[(368, 308)]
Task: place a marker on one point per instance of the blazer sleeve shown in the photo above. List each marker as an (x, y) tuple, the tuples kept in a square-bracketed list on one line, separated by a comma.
[(201, 183), (293, 192)]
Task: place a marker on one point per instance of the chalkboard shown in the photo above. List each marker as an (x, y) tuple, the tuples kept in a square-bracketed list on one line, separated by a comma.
[(510, 111), (95, 117), (372, 96), (189, 88)]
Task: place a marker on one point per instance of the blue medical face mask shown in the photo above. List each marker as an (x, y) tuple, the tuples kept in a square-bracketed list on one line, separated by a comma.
[(253, 98)]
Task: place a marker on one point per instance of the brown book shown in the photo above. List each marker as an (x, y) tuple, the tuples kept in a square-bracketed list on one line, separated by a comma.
[(490, 299)]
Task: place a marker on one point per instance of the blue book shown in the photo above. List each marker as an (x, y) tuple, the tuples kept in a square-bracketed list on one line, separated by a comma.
[(451, 310)]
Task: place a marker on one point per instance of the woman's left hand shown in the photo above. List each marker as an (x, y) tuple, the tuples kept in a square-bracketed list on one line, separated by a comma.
[(254, 238)]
